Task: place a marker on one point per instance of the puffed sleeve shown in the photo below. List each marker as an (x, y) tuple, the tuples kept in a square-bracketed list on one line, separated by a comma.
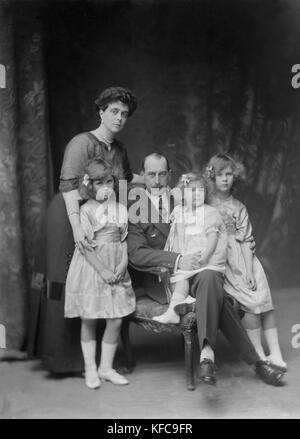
[(213, 221), (86, 224), (74, 162), (123, 221), (243, 226)]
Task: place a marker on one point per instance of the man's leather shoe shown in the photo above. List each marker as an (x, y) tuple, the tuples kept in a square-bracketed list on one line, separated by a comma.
[(183, 308), (207, 372), (269, 374)]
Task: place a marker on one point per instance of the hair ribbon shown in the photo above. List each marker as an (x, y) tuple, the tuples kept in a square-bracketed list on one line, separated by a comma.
[(86, 179), (210, 171), (185, 179)]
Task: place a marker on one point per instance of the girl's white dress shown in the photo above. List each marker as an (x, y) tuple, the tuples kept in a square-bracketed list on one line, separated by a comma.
[(189, 234), (239, 229), (87, 294)]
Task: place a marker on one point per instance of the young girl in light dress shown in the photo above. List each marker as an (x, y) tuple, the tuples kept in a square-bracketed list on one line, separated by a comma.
[(98, 285), (245, 279), (196, 227)]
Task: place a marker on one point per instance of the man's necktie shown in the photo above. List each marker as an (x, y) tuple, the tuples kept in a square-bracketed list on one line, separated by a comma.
[(160, 208)]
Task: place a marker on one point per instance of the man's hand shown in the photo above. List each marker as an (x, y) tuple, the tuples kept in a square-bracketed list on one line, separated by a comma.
[(190, 262), (251, 282)]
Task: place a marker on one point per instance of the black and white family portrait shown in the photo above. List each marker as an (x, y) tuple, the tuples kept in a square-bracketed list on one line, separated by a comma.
[(149, 211)]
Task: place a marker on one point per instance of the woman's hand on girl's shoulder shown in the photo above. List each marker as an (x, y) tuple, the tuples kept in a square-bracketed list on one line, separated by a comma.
[(81, 241)]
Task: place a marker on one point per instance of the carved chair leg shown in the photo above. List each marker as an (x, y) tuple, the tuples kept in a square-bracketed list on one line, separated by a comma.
[(189, 363), (127, 346)]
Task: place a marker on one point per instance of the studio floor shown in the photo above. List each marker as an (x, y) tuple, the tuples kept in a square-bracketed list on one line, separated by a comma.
[(157, 384)]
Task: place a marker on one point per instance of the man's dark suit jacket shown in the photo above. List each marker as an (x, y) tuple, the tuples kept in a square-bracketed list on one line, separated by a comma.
[(146, 243)]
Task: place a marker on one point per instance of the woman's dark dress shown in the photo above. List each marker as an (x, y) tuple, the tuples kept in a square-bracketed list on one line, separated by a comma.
[(58, 338)]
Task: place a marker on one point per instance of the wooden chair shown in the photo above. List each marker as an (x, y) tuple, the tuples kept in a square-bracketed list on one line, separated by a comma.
[(146, 308)]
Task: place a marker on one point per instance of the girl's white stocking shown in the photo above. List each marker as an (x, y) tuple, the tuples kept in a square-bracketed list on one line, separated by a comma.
[(275, 356), (108, 351), (106, 371), (255, 337), (89, 356)]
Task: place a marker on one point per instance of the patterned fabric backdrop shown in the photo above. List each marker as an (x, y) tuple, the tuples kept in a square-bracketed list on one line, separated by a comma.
[(12, 281), (34, 164), (25, 172), (210, 76)]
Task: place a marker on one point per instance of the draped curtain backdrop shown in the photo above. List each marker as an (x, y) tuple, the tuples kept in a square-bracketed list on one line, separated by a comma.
[(210, 76), (25, 171)]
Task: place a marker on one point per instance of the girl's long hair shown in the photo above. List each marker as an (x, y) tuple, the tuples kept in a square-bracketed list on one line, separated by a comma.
[(219, 162)]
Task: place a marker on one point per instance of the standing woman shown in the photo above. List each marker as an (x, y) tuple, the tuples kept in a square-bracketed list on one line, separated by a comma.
[(60, 341)]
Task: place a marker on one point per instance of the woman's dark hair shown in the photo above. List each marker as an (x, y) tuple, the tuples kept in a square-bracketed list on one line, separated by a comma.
[(96, 169), (114, 94)]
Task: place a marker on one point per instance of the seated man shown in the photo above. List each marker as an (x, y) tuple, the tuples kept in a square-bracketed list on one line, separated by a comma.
[(148, 231)]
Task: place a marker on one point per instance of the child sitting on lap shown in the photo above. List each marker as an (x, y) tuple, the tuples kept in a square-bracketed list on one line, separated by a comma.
[(196, 227)]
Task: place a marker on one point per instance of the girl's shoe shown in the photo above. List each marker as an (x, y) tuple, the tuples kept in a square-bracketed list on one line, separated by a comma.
[(113, 376), (277, 366), (92, 380), (168, 317)]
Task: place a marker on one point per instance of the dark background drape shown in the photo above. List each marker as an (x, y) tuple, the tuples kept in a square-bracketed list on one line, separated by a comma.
[(210, 76)]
